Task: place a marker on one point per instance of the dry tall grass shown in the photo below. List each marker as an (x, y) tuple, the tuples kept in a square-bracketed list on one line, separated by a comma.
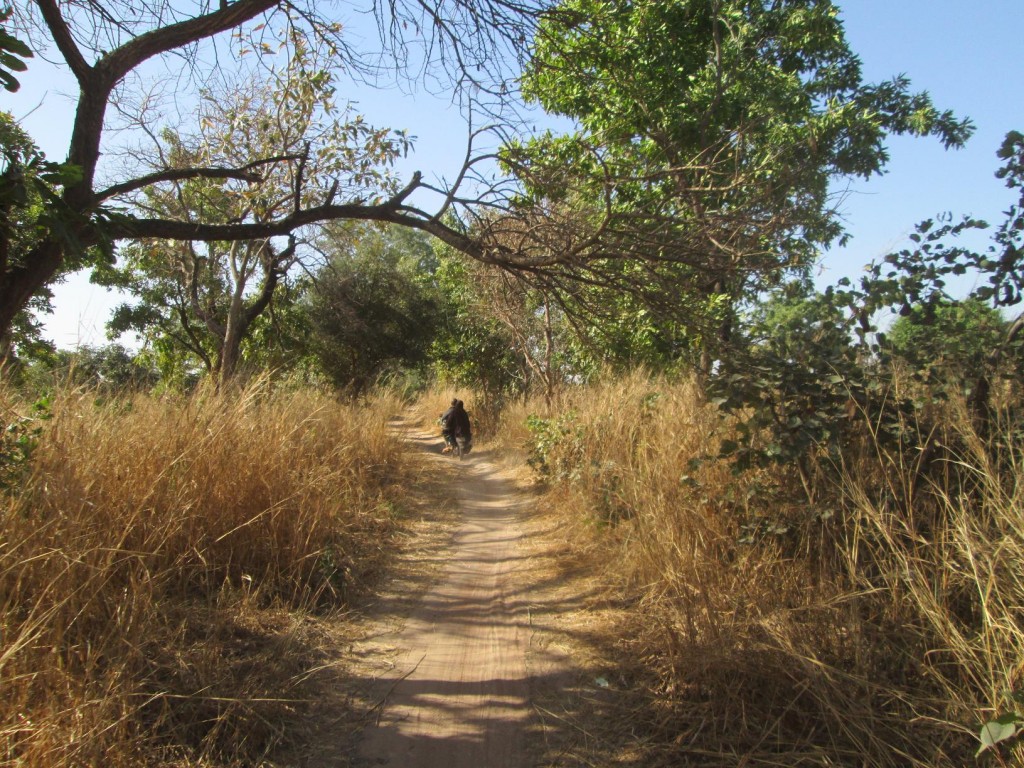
[(868, 632), (156, 563)]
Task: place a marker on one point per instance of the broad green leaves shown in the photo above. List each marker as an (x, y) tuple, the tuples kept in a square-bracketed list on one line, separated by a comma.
[(12, 51), (995, 732)]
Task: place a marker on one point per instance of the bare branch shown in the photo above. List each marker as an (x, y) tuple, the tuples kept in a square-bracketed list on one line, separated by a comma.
[(177, 174), (167, 38), (64, 41)]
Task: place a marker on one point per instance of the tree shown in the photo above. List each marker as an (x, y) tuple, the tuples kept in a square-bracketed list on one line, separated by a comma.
[(710, 133), (108, 46), (531, 323), (472, 347), (209, 296), (947, 339), (372, 306)]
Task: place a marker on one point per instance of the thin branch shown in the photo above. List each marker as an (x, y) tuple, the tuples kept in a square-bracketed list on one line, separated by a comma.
[(177, 174)]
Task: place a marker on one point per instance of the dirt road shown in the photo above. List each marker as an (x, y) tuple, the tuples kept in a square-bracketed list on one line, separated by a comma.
[(458, 695)]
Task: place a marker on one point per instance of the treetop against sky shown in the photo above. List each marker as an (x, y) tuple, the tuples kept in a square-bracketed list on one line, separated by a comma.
[(967, 61)]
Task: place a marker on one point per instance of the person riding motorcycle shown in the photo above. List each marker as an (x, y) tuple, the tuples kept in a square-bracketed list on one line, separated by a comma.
[(455, 424)]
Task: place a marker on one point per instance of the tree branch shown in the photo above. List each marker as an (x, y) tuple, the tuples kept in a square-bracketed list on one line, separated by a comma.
[(63, 39), (391, 211), (177, 174), (119, 62)]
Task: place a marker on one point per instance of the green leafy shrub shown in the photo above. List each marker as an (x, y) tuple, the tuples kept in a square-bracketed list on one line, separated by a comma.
[(19, 441)]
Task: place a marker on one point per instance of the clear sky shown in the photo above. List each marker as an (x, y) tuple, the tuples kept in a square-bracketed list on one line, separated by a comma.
[(969, 56)]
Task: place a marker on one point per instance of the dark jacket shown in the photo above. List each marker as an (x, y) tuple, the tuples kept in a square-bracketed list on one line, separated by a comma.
[(460, 423), (456, 421)]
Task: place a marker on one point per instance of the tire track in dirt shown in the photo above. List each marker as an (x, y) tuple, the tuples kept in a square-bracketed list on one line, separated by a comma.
[(458, 695)]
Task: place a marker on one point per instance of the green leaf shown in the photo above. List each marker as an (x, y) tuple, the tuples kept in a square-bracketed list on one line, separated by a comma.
[(999, 730)]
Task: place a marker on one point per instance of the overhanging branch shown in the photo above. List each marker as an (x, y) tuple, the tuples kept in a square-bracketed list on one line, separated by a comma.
[(177, 174)]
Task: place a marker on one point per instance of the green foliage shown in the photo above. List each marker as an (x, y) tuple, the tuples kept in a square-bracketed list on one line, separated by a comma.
[(626, 332), (1002, 728), (472, 348), (556, 446), (948, 339), (110, 368), (12, 51), (798, 381), (709, 136), (373, 307), (814, 362), (19, 440), (999, 730), (32, 207)]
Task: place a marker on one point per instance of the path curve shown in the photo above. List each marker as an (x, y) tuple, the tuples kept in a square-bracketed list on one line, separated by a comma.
[(459, 694)]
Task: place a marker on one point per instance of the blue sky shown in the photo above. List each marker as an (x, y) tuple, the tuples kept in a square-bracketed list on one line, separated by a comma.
[(969, 56)]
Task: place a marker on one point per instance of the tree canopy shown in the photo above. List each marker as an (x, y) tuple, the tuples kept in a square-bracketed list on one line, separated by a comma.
[(709, 135), (110, 45)]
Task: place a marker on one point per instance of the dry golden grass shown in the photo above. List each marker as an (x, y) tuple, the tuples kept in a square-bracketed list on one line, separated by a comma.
[(157, 562), (763, 633)]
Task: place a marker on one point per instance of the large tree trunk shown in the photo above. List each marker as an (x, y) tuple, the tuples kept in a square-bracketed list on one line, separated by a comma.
[(19, 283)]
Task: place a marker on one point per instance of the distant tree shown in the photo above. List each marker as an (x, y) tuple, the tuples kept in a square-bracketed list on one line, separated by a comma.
[(950, 339), (109, 367), (472, 346), (625, 332), (206, 297), (372, 307)]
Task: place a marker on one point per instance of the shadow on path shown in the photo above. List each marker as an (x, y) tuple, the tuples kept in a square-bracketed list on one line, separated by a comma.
[(459, 692)]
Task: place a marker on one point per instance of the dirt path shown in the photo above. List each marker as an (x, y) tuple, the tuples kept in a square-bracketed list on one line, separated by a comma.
[(464, 659)]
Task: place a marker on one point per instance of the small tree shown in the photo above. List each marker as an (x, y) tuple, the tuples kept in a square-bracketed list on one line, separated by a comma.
[(207, 296), (372, 306), (472, 346)]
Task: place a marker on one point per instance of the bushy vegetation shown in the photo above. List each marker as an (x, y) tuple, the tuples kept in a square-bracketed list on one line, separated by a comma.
[(157, 559), (877, 625)]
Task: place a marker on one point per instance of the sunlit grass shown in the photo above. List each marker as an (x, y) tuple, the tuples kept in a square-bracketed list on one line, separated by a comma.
[(157, 560), (873, 627)]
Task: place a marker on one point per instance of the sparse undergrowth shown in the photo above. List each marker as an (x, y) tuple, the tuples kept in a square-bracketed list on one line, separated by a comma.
[(158, 562), (878, 625)]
